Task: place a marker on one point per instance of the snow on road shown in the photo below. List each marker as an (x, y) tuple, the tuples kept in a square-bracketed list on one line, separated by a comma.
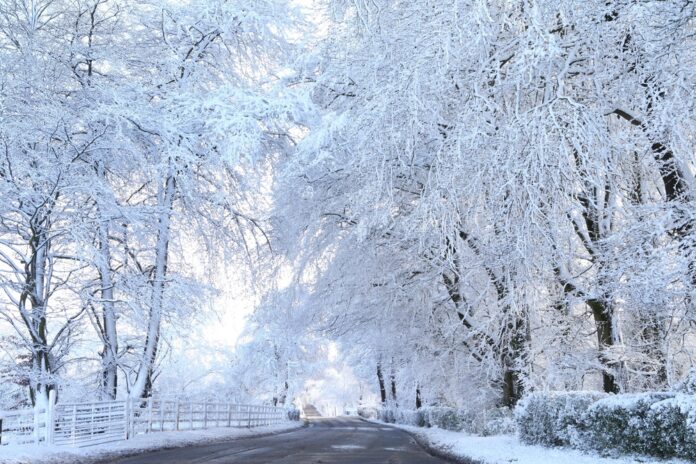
[(32, 454)]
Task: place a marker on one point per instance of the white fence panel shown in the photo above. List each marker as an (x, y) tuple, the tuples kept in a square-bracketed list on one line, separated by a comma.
[(22, 426), (156, 415), (84, 424)]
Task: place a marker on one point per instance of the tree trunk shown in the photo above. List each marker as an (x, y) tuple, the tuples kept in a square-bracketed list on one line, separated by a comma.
[(602, 309), (382, 388), (109, 335), (143, 382), (513, 386), (37, 275), (110, 339), (603, 317)]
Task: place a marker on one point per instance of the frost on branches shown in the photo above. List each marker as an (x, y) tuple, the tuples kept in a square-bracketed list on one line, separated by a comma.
[(131, 134), (441, 206), (498, 198)]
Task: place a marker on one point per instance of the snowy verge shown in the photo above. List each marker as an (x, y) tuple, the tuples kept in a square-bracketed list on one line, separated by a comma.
[(32, 454), (504, 449)]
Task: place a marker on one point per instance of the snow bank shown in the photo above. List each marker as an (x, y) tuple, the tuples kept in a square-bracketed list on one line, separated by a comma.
[(32, 454), (504, 449)]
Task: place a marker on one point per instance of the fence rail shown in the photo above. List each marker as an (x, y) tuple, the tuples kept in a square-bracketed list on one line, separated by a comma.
[(161, 415), (90, 423), (22, 426), (86, 424)]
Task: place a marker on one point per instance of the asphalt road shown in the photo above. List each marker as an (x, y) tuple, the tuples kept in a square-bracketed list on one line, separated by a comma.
[(341, 440)]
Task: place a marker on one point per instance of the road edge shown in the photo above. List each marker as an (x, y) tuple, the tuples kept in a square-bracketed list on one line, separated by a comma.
[(107, 459), (424, 442)]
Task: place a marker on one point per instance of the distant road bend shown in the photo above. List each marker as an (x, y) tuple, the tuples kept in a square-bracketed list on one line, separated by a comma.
[(341, 440)]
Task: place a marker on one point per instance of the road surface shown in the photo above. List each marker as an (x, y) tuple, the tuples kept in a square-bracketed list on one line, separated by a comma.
[(342, 440)]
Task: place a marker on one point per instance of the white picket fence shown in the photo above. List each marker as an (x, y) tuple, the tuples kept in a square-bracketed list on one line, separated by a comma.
[(86, 424)]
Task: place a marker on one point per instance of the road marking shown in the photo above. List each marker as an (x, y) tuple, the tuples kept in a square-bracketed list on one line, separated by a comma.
[(347, 447)]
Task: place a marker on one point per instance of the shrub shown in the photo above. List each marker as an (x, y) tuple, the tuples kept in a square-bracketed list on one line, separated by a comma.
[(554, 418), (497, 422), (293, 414), (387, 415), (657, 424), (367, 412), (688, 384), (447, 418), (674, 420), (410, 417), (627, 424)]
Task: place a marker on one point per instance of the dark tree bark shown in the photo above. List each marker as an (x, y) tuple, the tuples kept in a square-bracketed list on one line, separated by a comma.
[(382, 388)]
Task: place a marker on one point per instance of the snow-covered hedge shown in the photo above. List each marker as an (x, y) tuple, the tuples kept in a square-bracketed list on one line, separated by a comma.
[(554, 418), (676, 425), (446, 418), (387, 415), (499, 421), (402, 416), (410, 417), (293, 414), (489, 422), (367, 412), (688, 384), (658, 424), (443, 417), (624, 423)]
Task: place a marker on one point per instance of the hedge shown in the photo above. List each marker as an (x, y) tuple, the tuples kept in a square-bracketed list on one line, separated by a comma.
[(554, 418), (661, 424)]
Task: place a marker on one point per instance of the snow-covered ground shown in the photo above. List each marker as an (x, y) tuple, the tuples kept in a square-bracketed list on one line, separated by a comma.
[(31, 454), (506, 449)]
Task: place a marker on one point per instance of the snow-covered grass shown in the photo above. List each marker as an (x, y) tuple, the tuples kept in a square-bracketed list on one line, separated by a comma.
[(32, 454), (506, 449)]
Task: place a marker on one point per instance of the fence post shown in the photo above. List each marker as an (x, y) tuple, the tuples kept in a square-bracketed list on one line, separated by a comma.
[(126, 413), (36, 424), (50, 416), (205, 415), (191, 415), (229, 415), (161, 415), (149, 415), (91, 421), (74, 423), (177, 413), (249, 417), (133, 406)]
